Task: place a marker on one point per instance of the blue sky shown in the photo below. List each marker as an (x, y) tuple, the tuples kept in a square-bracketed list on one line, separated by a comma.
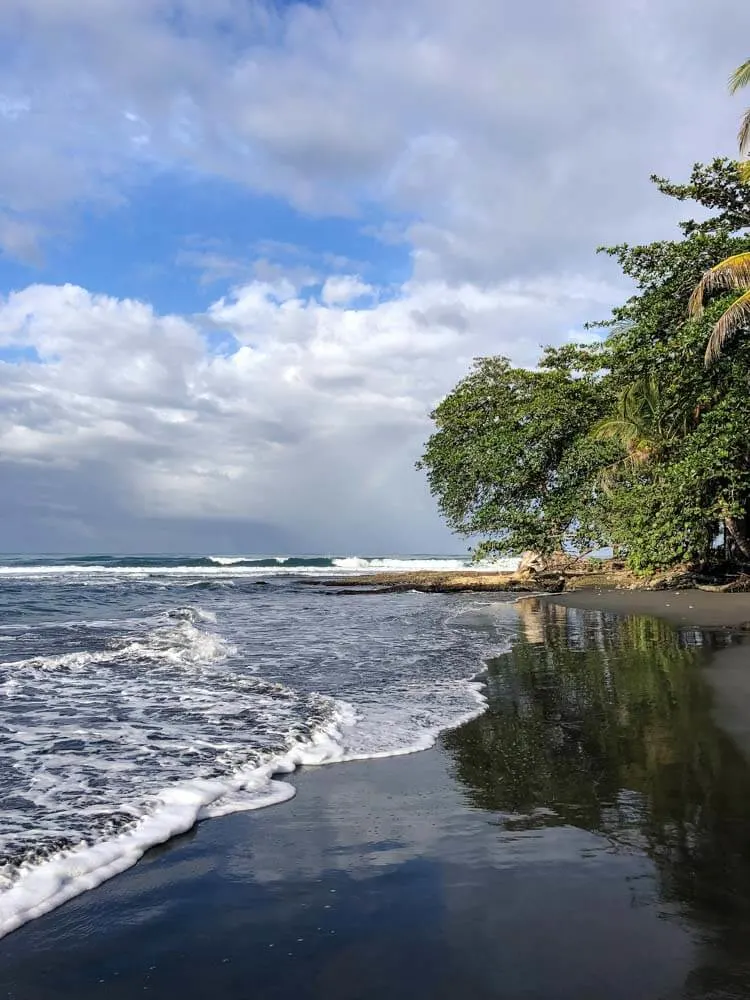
[(246, 246), (178, 241)]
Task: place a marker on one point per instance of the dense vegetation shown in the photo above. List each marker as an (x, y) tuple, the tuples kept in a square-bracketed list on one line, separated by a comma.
[(641, 441)]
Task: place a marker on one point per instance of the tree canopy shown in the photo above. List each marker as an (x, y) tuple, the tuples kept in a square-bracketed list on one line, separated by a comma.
[(634, 442), (512, 460)]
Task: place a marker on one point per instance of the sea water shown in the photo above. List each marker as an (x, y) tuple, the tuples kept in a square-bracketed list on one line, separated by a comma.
[(140, 695)]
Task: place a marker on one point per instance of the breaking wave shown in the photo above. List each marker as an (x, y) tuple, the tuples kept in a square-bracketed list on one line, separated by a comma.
[(232, 566), (129, 713)]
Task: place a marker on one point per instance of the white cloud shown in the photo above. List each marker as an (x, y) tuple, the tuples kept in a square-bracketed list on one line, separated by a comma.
[(312, 424), (341, 289), (514, 141), (499, 146)]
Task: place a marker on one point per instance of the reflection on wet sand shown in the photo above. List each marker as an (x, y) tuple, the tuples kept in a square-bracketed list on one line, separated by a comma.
[(604, 723)]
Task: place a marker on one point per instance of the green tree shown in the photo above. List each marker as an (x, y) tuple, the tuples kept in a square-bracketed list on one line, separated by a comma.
[(716, 186), (732, 273), (519, 457), (511, 459), (669, 509)]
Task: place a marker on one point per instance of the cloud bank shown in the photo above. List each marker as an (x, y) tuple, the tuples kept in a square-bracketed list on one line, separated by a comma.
[(495, 145)]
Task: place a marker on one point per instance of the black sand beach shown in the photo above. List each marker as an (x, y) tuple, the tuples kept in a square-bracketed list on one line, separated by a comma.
[(729, 675), (588, 836)]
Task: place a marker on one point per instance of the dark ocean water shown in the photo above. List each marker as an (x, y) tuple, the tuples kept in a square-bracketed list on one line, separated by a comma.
[(138, 695)]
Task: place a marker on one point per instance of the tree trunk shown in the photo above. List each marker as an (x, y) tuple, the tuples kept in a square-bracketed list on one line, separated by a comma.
[(532, 562), (737, 530)]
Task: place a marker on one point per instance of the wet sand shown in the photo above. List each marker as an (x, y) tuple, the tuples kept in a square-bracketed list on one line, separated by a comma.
[(378, 880), (728, 674), (698, 608), (587, 837)]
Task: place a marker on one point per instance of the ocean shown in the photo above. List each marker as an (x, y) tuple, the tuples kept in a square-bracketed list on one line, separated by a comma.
[(139, 695)]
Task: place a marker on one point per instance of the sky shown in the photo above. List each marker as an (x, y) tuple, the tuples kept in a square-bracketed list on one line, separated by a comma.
[(246, 246)]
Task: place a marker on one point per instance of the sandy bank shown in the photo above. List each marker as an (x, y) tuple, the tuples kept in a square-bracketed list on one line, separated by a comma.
[(432, 581), (456, 581)]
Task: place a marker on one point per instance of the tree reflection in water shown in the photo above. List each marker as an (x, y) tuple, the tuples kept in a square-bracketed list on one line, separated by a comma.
[(604, 723)]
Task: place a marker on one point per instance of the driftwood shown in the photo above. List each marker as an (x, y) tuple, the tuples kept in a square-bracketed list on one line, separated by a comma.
[(739, 585)]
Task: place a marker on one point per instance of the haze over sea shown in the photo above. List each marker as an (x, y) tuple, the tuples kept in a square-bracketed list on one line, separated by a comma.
[(141, 694)]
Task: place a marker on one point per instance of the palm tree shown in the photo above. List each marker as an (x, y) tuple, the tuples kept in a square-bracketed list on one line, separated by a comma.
[(644, 426), (739, 79), (731, 274)]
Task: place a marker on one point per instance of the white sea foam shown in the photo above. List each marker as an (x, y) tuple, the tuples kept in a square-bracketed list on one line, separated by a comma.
[(39, 888), (122, 731), (235, 560), (356, 563), (228, 560), (36, 889), (411, 720), (229, 567), (180, 644)]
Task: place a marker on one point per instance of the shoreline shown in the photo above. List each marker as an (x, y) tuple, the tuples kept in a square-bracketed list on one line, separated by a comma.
[(587, 580), (687, 608), (426, 581), (587, 576), (172, 878)]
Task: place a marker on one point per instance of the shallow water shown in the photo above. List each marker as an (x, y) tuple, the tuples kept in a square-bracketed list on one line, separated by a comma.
[(138, 698), (588, 836)]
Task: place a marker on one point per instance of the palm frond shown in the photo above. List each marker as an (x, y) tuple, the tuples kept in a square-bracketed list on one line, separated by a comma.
[(731, 274), (736, 317), (744, 170), (743, 136), (740, 78), (645, 424), (644, 399), (639, 424), (611, 428)]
